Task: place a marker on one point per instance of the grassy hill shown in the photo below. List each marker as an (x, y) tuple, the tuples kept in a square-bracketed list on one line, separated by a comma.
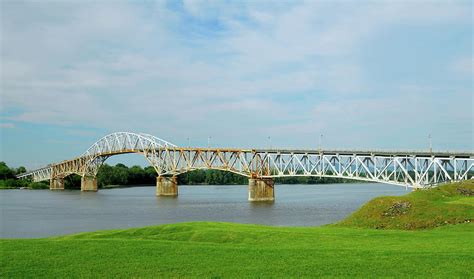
[(214, 250), (423, 209)]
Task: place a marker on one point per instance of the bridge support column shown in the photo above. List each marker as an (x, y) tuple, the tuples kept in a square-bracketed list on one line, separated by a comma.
[(89, 184), (56, 183), (166, 186), (261, 189)]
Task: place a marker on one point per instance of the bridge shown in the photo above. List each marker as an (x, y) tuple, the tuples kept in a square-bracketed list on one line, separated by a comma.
[(405, 168)]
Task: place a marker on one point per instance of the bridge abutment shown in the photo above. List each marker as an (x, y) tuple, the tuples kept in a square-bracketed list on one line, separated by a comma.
[(56, 183), (89, 184), (167, 186), (261, 189)]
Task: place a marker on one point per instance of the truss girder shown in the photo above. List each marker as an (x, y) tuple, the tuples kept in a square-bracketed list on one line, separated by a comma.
[(405, 170), (408, 169)]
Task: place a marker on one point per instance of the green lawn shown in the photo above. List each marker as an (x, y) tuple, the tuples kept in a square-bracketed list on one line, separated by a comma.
[(213, 250)]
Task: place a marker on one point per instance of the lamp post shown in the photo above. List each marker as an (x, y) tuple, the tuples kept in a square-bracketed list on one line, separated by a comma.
[(209, 141), (430, 142), (320, 141), (270, 141)]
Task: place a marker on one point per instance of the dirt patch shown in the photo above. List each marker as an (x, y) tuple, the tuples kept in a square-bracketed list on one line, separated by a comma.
[(398, 208), (465, 192)]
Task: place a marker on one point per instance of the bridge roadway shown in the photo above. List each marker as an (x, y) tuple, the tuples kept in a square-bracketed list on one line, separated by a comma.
[(416, 169), (457, 154)]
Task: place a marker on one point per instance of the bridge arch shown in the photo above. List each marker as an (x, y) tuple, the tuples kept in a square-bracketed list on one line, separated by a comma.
[(120, 142), (88, 164), (110, 145)]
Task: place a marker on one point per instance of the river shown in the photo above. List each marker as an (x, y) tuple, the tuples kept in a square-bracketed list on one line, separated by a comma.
[(42, 213)]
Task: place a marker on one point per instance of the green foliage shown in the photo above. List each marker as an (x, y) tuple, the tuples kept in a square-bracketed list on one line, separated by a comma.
[(211, 177), (38, 185), (122, 175), (6, 172), (435, 207), (72, 181), (22, 183), (20, 170), (8, 179), (120, 165), (11, 183), (226, 250)]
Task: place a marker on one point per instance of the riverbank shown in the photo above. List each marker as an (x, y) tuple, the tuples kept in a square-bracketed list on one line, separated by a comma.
[(12, 184), (350, 248), (423, 209)]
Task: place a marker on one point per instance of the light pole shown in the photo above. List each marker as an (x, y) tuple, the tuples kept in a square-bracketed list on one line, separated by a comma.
[(209, 141), (431, 145), (189, 142), (320, 141), (270, 141)]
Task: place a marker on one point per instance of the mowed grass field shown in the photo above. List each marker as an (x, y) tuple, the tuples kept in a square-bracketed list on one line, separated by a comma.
[(352, 248)]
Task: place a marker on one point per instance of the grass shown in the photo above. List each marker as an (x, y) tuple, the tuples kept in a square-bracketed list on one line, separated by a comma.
[(207, 249), (428, 209)]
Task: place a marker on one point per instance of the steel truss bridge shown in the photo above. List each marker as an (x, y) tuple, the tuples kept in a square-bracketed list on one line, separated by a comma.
[(405, 168)]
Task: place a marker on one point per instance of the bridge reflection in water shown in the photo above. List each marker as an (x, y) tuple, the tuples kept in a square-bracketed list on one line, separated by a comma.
[(405, 168)]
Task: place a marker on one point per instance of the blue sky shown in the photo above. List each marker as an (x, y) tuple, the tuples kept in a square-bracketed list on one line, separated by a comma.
[(374, 74)]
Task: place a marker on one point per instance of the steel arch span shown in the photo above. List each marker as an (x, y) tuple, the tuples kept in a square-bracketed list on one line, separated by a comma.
[(417, 169), (89, 162)]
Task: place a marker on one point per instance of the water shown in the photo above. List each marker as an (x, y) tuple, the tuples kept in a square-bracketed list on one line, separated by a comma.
[(42, 213)]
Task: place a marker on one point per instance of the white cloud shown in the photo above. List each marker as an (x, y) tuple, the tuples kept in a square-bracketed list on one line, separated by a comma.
[(7, 125), (463, 66), (119, 65)]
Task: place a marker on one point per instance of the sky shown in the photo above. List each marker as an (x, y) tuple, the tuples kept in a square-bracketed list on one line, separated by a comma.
[(364, 74)]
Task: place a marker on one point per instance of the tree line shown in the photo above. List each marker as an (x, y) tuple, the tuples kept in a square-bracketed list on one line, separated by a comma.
[(8, 179), (121, 174)]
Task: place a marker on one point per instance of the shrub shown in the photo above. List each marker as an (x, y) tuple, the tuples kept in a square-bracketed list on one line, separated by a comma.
[(38, 185)]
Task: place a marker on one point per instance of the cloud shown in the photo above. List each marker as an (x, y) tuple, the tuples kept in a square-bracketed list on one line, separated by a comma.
[(463, 66), (7, 125), (202, 67)]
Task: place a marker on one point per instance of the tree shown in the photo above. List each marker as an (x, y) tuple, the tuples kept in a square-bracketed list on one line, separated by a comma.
[(104, 176), (136, 175), (120, 165), (119, 176), (20, 169), (150, 175), (5, 171), (72, 181)]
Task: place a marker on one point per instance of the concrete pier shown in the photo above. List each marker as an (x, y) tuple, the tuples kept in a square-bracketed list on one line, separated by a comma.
[(166, 186), (89, 183), (56, 183), (261, 189)]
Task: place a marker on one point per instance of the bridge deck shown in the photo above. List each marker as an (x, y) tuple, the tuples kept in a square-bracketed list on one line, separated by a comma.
[(457, 154)]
